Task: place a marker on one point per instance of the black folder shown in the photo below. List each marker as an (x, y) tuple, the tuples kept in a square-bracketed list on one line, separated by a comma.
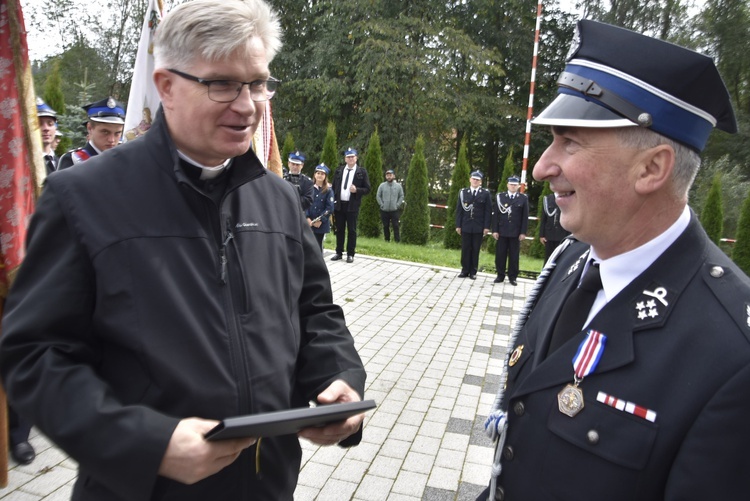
[(270, 424)]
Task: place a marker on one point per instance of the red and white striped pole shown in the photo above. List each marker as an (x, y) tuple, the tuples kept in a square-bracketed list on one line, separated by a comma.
[(529, 115)]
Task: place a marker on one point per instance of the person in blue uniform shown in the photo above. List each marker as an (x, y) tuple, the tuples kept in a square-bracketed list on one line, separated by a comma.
[(551, 232), (48, 129), (510, 221), (473, 220), (302, 183), (350, 184), (106, 119), (319, 212), (628, 380)]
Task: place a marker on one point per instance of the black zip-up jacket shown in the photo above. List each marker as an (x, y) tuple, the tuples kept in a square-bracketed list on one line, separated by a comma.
[(142, 301)]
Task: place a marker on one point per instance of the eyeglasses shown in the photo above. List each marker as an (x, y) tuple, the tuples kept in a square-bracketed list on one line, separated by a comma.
[(226, 91)]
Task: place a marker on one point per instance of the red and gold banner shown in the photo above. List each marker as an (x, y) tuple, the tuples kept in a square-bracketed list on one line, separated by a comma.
[(21, 166)]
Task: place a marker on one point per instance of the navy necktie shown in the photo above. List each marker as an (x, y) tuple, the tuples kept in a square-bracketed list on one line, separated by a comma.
[(346, 180), (576, 308)]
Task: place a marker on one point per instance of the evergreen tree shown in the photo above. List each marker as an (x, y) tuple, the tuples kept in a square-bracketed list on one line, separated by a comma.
[(53, 96), (741, 251), (712, 216), (369, 217), (509, 169), (415, 220), (459, 180), (287, 149), (330, 155)]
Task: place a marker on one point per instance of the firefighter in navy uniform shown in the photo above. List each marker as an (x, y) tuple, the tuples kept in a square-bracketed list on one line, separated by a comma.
[(629, 366), (551, 233), (301, 182), (473, 220), (106, 119), (510, 221)]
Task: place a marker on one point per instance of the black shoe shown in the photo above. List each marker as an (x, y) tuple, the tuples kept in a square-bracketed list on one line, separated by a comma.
[(349, 259), (513, 282), (336, 257), (473, 277), (23, 453), (499, 280), (462, 275)]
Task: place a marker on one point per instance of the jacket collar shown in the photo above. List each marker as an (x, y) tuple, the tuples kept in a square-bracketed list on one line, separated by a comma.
[(163, 151), (645, 304)]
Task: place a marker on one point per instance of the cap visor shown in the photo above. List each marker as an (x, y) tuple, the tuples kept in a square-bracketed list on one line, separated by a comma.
[(108, 120), (572, 111)]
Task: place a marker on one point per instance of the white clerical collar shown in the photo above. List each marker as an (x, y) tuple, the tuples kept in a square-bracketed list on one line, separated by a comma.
[(618, 271), (207, 172)]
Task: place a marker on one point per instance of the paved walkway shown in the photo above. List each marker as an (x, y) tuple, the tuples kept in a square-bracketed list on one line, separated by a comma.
[(433, 346)]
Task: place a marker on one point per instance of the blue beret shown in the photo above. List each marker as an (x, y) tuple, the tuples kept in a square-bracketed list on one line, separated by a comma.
[(618, 78), (107, 111), (350, 151), (323, 168), (44, 110), (297, 157)]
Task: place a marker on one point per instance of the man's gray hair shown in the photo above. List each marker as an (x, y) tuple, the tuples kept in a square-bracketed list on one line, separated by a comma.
[(214, 30), (687, 161)]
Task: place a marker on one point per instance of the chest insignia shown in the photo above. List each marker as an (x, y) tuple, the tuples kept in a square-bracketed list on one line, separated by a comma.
[(515, 355)]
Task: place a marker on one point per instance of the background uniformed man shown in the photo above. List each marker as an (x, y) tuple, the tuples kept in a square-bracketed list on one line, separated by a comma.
[(645, 396), (510, 221), (106, 119), (301, 182), (473, 220), (551, 232), (48, 129)]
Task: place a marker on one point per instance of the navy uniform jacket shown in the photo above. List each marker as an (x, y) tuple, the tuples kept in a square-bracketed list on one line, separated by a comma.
[(361, 181), (304, 187), (685, 356), (76, 156), (549, 225), (473, 214), (322, 206), (510, 218)]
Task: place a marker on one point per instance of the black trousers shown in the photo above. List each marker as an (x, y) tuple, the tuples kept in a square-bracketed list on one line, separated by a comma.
[(319, 237), (18, 429), (470, 245), (346, 222), (508, 249), (389, 217)]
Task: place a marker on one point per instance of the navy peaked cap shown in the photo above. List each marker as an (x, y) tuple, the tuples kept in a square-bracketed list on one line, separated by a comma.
[(618, 78), (107, 111)]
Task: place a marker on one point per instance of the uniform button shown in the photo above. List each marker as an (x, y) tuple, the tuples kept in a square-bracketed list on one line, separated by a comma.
[(593, 437), (717, 272), (519, 408), (499, 494), (508, 453)]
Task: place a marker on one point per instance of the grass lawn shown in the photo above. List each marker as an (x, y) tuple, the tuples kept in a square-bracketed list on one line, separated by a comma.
[(433, 253)]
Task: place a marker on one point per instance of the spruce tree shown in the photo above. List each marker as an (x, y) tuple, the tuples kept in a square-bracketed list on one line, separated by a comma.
[(459, 180), (712, 216), (53, 96), (369, 217), (415, 220), (509, 169), (287, 149), (741, 250), (330, 156)]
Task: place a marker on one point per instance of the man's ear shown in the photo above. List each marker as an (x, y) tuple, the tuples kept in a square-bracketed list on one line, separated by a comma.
[(655, 169), (164, 86)]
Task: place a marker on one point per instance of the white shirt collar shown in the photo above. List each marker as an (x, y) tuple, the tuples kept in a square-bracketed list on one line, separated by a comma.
[(618, 271), (206, 172)]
